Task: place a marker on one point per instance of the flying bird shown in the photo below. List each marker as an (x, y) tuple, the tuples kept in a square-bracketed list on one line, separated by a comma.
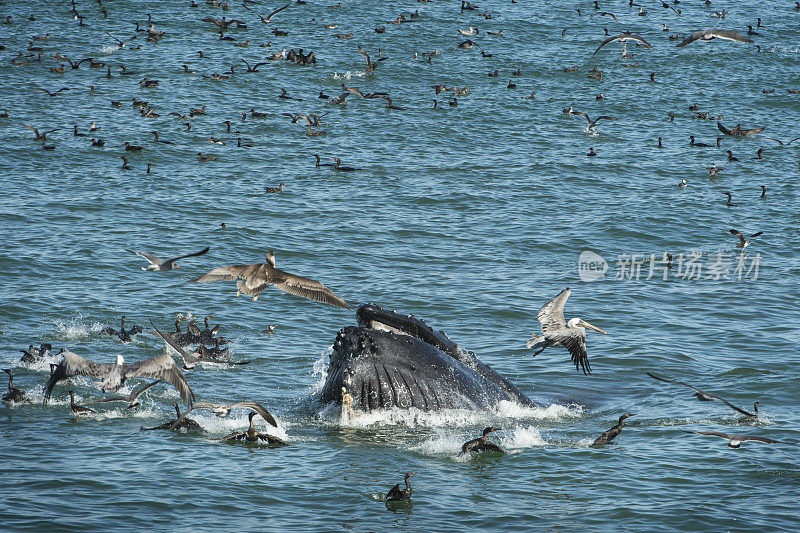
[(161, 266), (624, 37), (556, 332), (781, 142), (55, 93), (114, 375), (737, 130), (268, 18), (735, 441), (705, 397), (223, 409), (132, 398), (592, 123), (742, 242), (252, 279), (711, 34), (40, 136)]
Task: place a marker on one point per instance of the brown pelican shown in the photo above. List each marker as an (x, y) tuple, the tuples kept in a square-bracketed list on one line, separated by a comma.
[(132, 398), (711, 34), (735, 440), (556, 332), (624, 37), (705, 397), (114, 375), (737, 130), (177, 423), (13, 394), (161, 266), (481, 444), (255, 278), (396, 494), (251, 435), (742, 242), (223, 409), (78, 409), (611, 433)]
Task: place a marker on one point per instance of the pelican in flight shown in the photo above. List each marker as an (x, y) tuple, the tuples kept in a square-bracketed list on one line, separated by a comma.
[(735, 440), (556, 332), (161, 266), (255, 278), (711, 34), (705, 397), (624, 37), (115, 374)]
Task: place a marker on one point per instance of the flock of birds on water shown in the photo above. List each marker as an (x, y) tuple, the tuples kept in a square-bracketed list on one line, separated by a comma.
[(252, 279)]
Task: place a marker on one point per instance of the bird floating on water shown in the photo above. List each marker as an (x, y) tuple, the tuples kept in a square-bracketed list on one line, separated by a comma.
[(251, 435), (13, 394), (611, 433), (481, 444), (396, 494), (557, 332)]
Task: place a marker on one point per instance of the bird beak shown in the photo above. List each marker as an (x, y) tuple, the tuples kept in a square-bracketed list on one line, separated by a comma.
[(177, 266), (587, 325)]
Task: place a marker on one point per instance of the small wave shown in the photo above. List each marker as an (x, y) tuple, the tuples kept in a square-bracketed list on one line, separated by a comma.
[(348, 75), (76, 328), (110, 49)]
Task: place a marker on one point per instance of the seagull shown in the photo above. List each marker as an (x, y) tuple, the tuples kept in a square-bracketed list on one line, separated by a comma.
[(592, 123), (705, 397), (737, 130), (735, 440), (397, 494), (132, 398), (481, 444), (742, 242), (251, 435), (161, 266), (115, 374), (625, 36), (268, 18), (255, 278), (222, 409), (556, 332), (611, 433), (711, 34)]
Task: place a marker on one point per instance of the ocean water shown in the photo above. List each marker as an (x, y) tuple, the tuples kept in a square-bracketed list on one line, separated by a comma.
[(470, 216)]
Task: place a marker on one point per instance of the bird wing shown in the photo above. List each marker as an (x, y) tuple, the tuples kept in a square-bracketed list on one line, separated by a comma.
[(729, 35), (693, 37), (260, 409), (161, 367), (584, 115), (637, 37), (365, 54), (186, 357), (36, 132), (752, 131), (760, 439), (756, 234), (574, 340), (138, 392), (738, 234), (201, 252), (724, 130), (712, 434), (777, 141), (551, 315), (307, 288), (74, 365), (154, 260), (608, 40), (228, 273), (269, 17), (729, 404), (684, 384), (227, 438), (790, 142), (603, 117)]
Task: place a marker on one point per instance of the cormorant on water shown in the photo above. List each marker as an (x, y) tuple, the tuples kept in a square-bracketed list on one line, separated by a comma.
[(78, 409), (481, 444), (251, 435), (611, 433), (396, 494), (13, 394)]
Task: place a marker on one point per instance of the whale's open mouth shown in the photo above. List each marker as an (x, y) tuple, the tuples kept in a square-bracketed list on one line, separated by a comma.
[(393, 360)]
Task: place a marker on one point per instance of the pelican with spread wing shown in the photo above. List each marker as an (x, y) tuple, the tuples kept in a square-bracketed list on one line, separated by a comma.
[(557, 332)]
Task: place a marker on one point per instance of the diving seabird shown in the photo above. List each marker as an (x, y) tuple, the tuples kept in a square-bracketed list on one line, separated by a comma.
[(705, 397), (251, 435), (556, 332), (611, 433), (737, 130), (481, 444), (711, 34), (396, 494), (735, 441), (625, 36), (13, 394), (161, 266), (132, 398), (255, 278), (742, 242), (115, 374)]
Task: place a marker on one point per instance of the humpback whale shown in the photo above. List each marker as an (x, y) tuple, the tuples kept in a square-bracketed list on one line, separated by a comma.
[(392, 360)]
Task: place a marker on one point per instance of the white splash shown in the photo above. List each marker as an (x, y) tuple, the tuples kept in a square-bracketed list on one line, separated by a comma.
[(76, 328)]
